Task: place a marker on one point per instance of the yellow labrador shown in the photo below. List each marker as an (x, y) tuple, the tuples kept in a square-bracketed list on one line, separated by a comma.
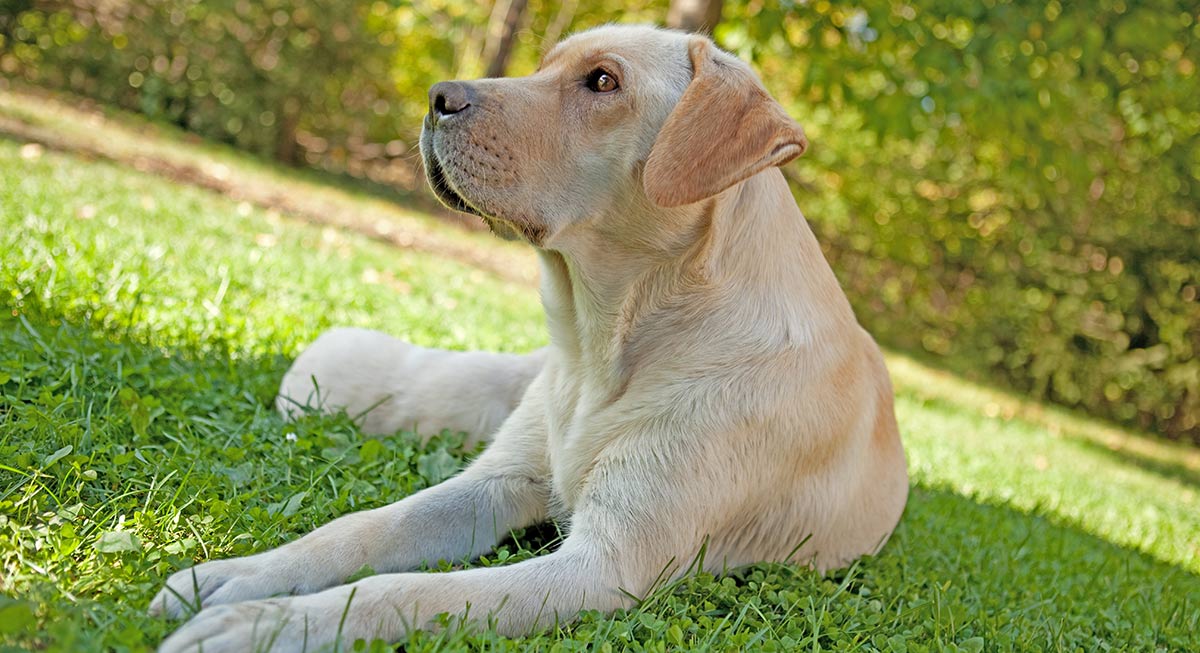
[(707, 382)]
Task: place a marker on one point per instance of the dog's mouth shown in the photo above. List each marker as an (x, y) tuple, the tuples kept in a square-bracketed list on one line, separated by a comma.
[(435, 173), (436, 176)]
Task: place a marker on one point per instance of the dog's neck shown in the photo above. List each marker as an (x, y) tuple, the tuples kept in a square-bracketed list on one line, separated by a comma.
[(750, 241)]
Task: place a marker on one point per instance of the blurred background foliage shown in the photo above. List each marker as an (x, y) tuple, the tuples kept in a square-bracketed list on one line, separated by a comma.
[(1006, 187)]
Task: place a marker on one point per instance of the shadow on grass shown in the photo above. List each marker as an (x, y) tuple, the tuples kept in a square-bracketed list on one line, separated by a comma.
[(1031, 579), (956, 568)]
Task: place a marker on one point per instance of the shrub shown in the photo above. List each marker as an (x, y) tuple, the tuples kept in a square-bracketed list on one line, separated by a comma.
[(303, 81)]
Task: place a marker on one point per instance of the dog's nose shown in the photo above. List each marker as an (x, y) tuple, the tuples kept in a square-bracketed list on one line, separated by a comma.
[(447, 99)]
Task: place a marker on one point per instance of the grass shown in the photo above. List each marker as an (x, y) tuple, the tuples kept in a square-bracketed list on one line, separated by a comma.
[(145, 325)]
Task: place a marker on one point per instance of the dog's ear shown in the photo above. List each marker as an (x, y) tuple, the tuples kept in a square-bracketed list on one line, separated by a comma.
[(726, 128)]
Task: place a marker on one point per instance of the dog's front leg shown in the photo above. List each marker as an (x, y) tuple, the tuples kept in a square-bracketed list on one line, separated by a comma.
[(505, 488), (640, 520), (538, 592)]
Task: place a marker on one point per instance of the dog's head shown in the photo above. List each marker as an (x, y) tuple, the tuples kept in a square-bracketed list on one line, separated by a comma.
[(616, 119)]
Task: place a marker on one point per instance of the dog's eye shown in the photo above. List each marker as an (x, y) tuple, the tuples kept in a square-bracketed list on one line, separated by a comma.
[(602, 81)]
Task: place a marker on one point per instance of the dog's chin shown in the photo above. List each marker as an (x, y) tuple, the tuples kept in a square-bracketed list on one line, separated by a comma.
[(502, 229), (435, 174)]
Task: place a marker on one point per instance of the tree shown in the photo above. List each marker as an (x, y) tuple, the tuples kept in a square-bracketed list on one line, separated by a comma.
[(694, 15), (502, 31)]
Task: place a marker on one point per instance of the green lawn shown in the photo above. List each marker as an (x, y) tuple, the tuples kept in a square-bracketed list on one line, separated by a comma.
[(144, 328)]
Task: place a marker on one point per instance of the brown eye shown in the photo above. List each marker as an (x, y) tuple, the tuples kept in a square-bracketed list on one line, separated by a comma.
[(601, 81)]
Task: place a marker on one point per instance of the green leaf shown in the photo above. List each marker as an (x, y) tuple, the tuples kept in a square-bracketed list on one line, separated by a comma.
[(972, 645), (365, 571), (16, 616), (142, 410), (437, 466), (370, 450), (289, 507), (293, 504), (57, 456), (118, 542)]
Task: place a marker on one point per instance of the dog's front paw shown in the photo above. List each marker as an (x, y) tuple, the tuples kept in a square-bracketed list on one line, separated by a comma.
[(257, 626), (282, 625), (218, 582)]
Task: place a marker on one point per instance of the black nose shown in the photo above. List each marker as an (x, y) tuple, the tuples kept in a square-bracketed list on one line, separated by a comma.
[(448, 98)]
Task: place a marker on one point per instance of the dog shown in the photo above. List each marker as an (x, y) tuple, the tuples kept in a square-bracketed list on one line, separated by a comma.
[(707, 386)]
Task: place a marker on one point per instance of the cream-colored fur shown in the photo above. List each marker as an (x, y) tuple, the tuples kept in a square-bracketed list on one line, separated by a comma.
[(706, 386), (388, 384)]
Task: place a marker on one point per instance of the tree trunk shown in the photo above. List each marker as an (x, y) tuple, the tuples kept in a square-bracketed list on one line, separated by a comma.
[(694, 15), (286, 147), (502, 32), (566, 13)]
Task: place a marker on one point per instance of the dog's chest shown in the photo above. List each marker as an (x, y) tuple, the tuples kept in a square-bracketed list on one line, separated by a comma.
[(579, 432)]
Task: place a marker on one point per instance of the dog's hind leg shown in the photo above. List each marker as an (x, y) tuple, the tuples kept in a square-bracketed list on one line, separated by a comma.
[(386, 384)]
